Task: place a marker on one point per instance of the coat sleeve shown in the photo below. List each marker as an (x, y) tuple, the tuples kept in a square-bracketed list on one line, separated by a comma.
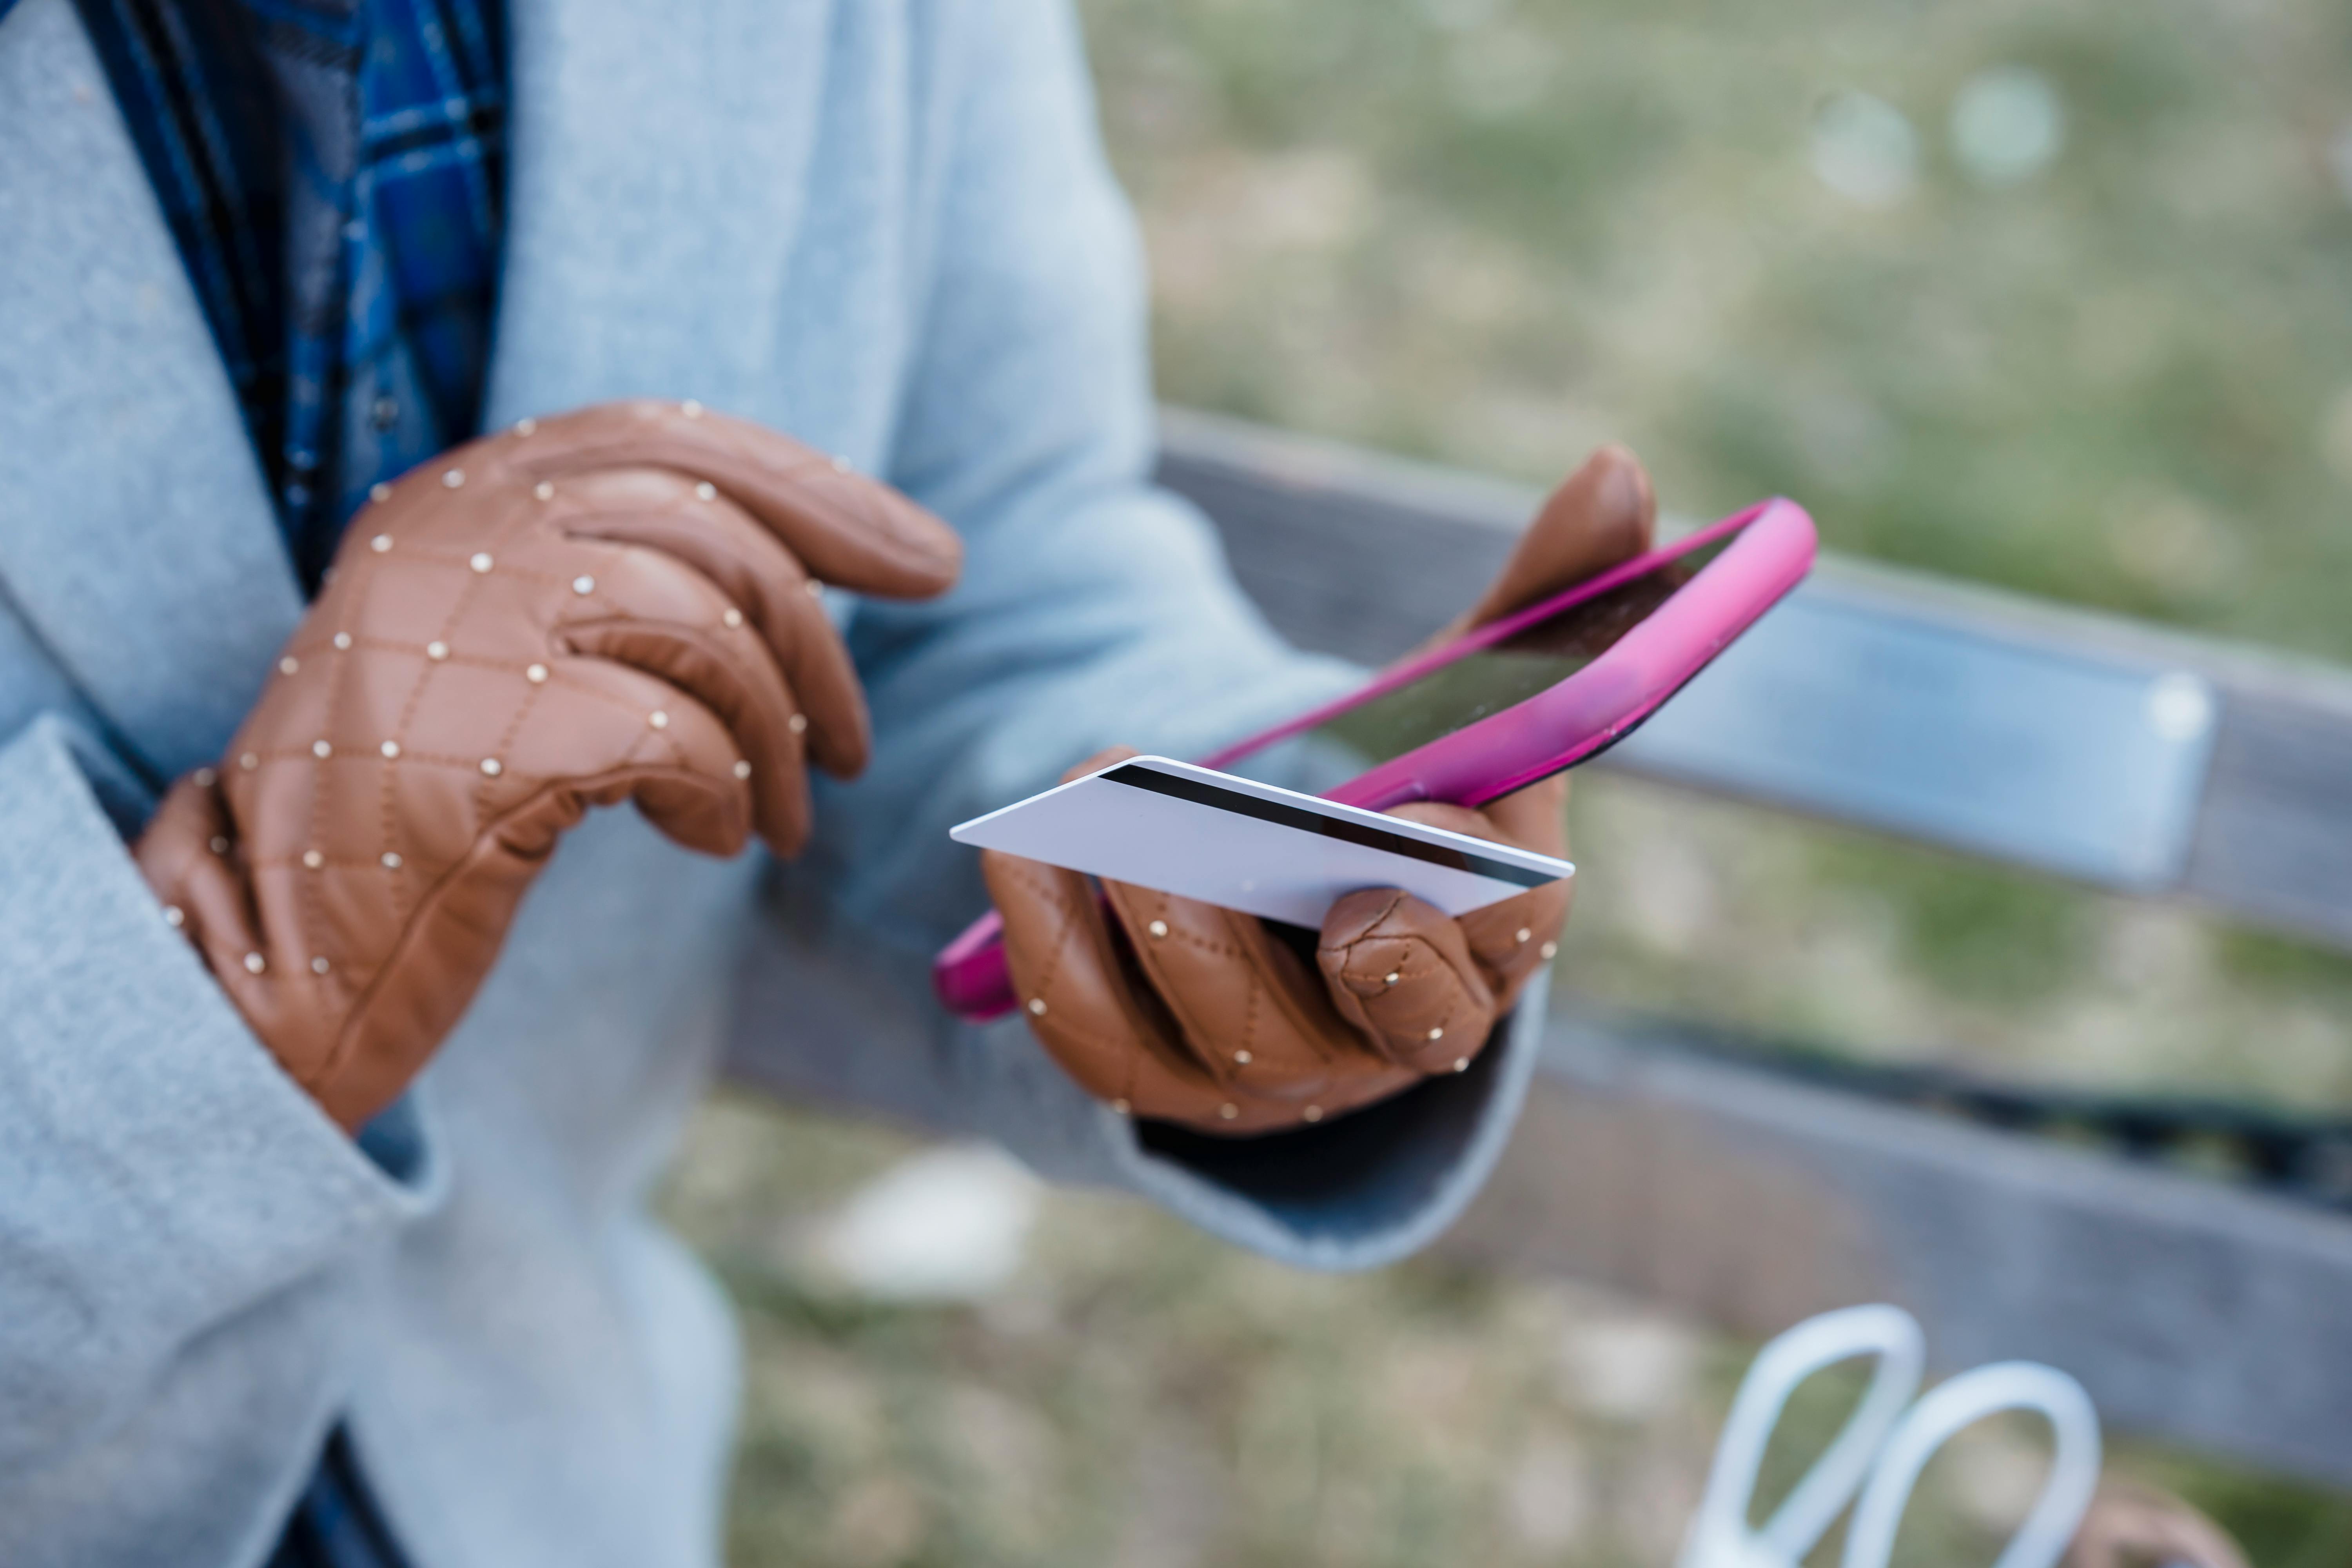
[(1094, 609), (172, 1204)]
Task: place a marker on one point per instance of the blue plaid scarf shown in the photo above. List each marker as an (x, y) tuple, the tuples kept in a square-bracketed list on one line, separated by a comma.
[(332, 172)]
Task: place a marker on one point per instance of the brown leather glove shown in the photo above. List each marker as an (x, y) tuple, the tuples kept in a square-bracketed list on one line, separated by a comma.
[(616, 604), (1189, 1013)]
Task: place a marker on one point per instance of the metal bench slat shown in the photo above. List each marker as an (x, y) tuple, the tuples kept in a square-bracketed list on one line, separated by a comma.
[(2060, 740)]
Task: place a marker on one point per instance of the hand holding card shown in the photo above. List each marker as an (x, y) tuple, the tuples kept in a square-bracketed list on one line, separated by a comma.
[(1191, 1012), (1197, 1012)]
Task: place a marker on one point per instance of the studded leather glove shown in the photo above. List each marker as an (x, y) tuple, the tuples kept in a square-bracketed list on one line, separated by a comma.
[(1184, 1012), (618, 604)]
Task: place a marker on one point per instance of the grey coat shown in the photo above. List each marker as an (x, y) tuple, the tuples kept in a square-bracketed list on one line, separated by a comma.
[(886, 226)]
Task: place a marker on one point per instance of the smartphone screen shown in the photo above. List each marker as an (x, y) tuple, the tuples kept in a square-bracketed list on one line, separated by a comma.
[(1465, 690)]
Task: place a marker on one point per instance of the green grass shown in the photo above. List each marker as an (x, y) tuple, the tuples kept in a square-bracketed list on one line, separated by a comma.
[(1142, 1397), (1492, 233)]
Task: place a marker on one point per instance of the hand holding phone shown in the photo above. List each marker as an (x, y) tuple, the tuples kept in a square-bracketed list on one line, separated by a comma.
[(1190, 1012), (1187, 1012)]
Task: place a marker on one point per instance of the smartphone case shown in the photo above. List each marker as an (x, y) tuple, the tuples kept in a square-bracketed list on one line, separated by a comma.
[(1565, 724)]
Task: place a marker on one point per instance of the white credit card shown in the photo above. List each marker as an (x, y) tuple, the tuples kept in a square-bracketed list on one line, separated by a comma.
[(1272, 852)]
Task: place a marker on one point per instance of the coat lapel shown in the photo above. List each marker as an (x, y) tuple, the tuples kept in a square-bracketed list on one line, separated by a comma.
[(658, 171), (136, 541), (657, 166)]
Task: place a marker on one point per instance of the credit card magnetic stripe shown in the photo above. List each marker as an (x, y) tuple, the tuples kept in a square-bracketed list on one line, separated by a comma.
[(1199, 792)]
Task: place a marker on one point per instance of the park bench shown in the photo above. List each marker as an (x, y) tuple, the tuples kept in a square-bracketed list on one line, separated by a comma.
[(1751, 1187)]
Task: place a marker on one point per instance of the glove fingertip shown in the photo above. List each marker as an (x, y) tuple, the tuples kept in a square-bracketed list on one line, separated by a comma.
[(839, 755), (1353, 917)]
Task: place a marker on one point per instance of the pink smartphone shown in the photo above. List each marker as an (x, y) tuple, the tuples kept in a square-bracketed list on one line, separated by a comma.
[(1555, 685)]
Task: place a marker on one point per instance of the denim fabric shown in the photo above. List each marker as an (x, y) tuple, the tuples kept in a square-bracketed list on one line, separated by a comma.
[(886, 226), (336, 1523), (332, 172)]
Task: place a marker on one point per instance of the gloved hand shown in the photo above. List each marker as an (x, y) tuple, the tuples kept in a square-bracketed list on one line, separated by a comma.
[(1189, 1013), (616, 604)]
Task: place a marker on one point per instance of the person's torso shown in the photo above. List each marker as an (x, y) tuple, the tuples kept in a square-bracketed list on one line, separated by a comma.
[(722, 201), (732, 200)]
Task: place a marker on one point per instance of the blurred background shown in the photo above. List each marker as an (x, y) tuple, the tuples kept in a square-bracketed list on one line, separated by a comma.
[(2056, 297)]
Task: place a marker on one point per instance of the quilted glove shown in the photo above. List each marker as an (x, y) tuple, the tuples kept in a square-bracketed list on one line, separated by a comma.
[(618, 604), (1184, 1012)]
